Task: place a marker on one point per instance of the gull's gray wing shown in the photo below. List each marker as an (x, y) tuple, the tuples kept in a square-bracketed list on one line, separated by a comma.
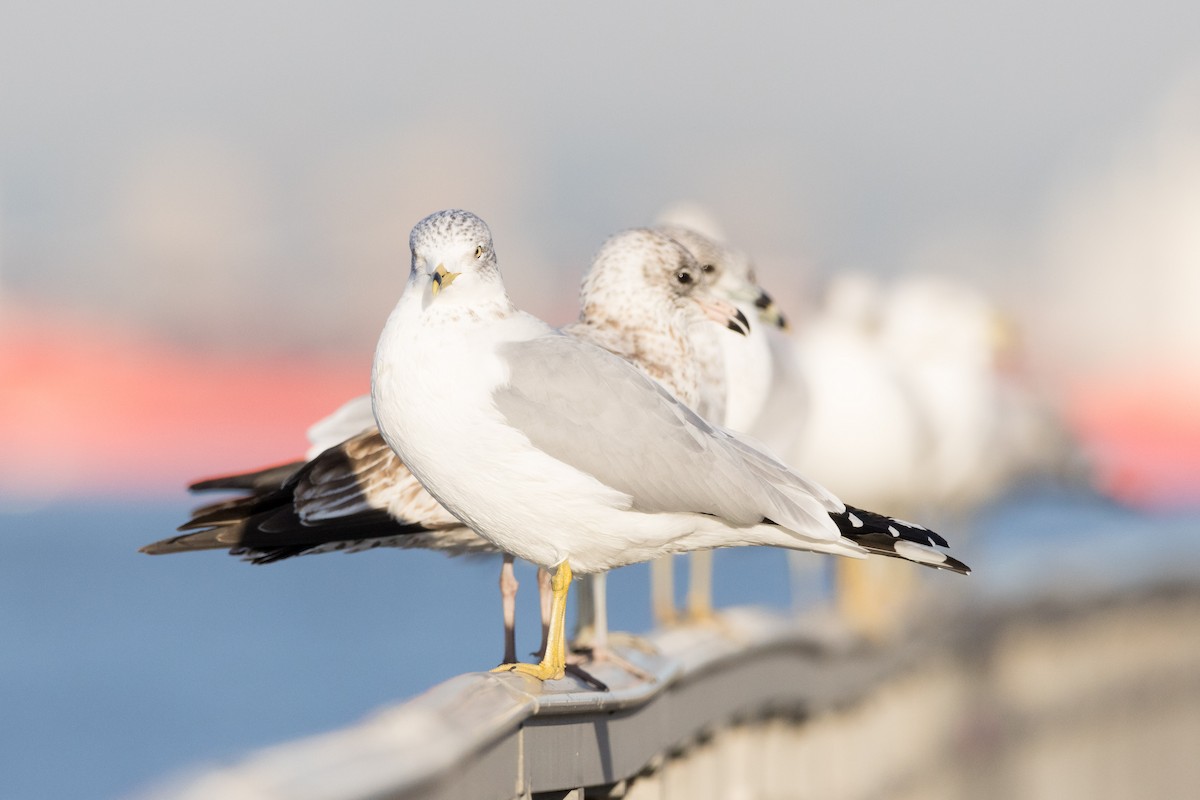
[(600, 414)]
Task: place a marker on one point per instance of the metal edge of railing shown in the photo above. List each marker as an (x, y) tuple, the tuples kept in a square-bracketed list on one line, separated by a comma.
[(505, 735), (483, 735)]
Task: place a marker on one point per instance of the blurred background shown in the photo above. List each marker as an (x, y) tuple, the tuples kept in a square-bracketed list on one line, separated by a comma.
[(204, 212)]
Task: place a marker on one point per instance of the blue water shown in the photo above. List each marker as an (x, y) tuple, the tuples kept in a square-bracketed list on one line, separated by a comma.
[(117, 669)]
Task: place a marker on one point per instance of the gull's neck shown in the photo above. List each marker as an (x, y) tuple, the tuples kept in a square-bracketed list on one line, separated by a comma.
[(710, 369), (469, 299)]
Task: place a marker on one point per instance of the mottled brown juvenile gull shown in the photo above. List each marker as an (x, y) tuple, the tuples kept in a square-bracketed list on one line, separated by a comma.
[(736, 376), (565, 455)]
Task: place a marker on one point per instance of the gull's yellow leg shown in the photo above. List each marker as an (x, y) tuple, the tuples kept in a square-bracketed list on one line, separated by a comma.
[(554, 664)]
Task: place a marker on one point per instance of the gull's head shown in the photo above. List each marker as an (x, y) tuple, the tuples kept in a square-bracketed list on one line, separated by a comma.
[(453, 260), (729, 271), (642, 271)]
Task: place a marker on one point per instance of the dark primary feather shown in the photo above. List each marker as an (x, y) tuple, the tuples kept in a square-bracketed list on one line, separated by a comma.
[(296, 508), (274, 535), (256, 481), (229, 512)]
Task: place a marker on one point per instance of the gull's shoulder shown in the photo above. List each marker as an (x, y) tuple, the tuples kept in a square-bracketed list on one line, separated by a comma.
[(523, 325)]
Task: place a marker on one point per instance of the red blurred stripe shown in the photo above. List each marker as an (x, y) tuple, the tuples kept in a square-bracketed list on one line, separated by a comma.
[(1144, 430), (87, 407)]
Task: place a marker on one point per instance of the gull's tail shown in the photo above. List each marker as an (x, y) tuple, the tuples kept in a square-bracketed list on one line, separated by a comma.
[(896, 538)]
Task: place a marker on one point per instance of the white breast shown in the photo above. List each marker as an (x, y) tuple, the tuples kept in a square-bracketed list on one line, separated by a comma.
[(748, 372), (432, 389)]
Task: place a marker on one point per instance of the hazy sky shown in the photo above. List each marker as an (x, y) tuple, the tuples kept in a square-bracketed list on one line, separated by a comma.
[(241, 170)]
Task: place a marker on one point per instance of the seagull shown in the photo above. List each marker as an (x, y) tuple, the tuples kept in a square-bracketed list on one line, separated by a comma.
[(856, 401), (945, 337), (354, 493), (563, 454), (735, 376), (738, 375)]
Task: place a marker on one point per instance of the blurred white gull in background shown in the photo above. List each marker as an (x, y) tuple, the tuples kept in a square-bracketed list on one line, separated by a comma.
[(894, 397), (861, 427), (914, 376), (958, 355)]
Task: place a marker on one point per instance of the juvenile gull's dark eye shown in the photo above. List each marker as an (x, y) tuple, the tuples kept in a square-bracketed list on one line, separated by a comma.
[(708, 268), (684, 277)]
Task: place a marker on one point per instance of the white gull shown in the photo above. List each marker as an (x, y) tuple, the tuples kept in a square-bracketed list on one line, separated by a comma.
[(563, 454)]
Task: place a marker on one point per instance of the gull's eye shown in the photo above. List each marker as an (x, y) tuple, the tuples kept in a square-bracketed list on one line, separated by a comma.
[(708, 269), (478, 250), (684, 277)]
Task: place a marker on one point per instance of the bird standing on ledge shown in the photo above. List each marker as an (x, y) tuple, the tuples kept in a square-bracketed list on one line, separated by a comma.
[(566, 455)]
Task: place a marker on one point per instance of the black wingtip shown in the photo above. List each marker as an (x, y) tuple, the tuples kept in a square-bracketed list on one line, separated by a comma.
[(858, 520), (954, 565), (896, 538)]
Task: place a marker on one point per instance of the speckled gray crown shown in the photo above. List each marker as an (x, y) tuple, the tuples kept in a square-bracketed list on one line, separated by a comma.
[(452, 223)]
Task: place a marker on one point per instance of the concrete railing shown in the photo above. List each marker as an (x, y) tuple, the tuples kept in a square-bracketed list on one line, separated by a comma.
[(1093, 697)]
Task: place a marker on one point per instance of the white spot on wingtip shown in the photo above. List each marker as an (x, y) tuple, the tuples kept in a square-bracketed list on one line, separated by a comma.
[(892, 530), (855, 521), (919, 553)]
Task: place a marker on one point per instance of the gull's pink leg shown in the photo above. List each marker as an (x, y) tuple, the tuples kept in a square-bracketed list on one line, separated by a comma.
[(508, 602)]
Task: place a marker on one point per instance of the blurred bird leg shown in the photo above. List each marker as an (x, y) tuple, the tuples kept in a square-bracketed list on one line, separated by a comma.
[(546, 601), (585, 613), (508, 602), (601, 651), (700, 582), (875, 597), (662, 591), (599, 592)]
